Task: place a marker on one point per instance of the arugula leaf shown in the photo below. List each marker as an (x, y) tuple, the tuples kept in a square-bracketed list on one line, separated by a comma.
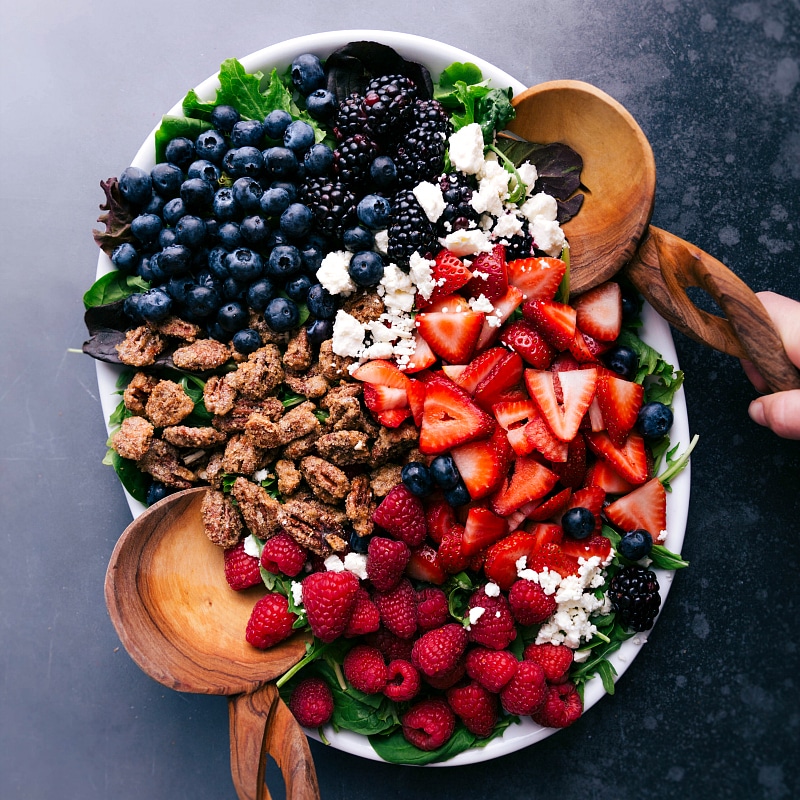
[(663, 379)]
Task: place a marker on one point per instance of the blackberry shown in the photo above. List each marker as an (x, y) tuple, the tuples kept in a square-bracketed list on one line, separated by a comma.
[(431, 113), (420, 155), (332, 204), (520, 245), (351, 118), (389, 103), (634, 596), (410, 231), (458, 211), (352, 159)]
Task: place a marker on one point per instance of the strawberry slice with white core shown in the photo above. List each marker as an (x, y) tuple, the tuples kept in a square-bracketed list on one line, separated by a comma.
[(572, 471), (596, 421), (478, 369), (555, 321), (539, 436), (483, 464), (450, 418), (423, 565), (577, 388), (449, 274), (599, 311), (416, 399), (602, 474), (382, 373), (510, 415), (504, 307), (579, 347), (488, 275), (385, 391), (453, 302), (454, 371), (536, 278), (505, 374), (522, 337), (482, 529), (645, 507), (530, 481), (628, 461), (619, 401), (422, 357), (452, 336)]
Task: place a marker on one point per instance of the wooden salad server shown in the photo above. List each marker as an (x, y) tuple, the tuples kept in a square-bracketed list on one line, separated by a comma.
[(612, 231), (179, 620)]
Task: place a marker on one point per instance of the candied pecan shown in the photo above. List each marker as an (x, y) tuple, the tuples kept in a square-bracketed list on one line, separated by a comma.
[(133, 439), (333, 367), (295, 423), (202, 355), (137, 391), (168, 404), (189, 436), (393, 443), (218, 395), (177, 328), (213, 471), (140, 348), (336, 393), (326, 480), (359, 505), (260, 375), (384, 479), (311, 386), (344, 447), (236, 419), (163, 463), (259, 509), (300, 448), (289, 477), (364, 305), (222, 521), (241, 455), (268, 336), (299, 353), (346, 413), (311, 524)]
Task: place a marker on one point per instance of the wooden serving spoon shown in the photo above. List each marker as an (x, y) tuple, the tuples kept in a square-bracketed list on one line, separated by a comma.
[(184, 626), (612, 230)]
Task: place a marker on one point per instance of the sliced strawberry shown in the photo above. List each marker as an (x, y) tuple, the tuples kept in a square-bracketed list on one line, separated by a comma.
[(599, 311), (479, 368), (483, 464), (572, 472), (602, 474), (540, 437), (482, 529), (514, 414), (381, 373), (579, 347), (645, 507), (595, 545), (449, 304), (577, 387), (504, 375), (520, 443), (551, 508), (555, 321), (454, 371), (389, 406), (536, 278), (596, 421), (489, 275), (450, 418), (449, 275), (504, 307), (552, 557), (423, 356), (452, 557), (439, 517), (530, 481), (424, 565), (522, 337), (630, 461), (416, 399), (619, 402), (547, 533), (503, 557), (451, 335)]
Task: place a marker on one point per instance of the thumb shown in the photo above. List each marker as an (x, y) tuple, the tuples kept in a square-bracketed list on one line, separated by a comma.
[(780, 412)]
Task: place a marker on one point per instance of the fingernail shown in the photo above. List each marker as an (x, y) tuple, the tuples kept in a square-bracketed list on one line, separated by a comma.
[(756, 412)]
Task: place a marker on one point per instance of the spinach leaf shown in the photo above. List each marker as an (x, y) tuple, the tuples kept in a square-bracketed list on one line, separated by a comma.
[(666, 559), (130, 476), (445, 90), (111, 287), (173, 127), (493, 112), (395, 749)]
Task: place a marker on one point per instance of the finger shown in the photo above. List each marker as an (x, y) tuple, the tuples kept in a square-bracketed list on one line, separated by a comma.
[(755, 376), (780, 412), (785, 314)]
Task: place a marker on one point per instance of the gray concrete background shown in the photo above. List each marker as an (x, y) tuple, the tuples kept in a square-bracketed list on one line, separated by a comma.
[(710, 707)]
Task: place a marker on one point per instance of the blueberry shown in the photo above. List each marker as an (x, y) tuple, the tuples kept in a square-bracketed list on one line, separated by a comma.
[(215, 331), (383, 172), (277, 238), (130, 306), (366, 268), (211, 145), (417, 478), (247, 133), (280, 161), (243, 161), (622, 360), (149, 269), (631, 304), (358, 238), (374, 212), (321, 105), (358, 544), (203, 168), (180, 151), (205, 277), (296, 221), (312, 254), (578, 522), (217, 262), (458, 495), (155, 205), (297, 288), (146, 227), (157, 491), (212, 230), (234, 290), (232, 317), (255, 230), (281, 314), (654, 420), (246, 340), (155, 304), (289, 187), (174, 260), (318, 160), (223, 204), (259, 293), (444, 472), (275, 201), (247, 194), (319, 331), (307, 73), (201, 302), (284, 262), (167, 237), (276, 123), (229, 235), (223, 118), (244, 265), (178, 287), (135, 186), (167, 179), (173, 210), (635, 544), (320, 302), (298, 136), (125, 257), (190, 230), (197, 194)]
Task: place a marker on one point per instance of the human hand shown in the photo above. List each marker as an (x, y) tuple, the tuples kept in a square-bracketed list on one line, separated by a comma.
[(780, 412)]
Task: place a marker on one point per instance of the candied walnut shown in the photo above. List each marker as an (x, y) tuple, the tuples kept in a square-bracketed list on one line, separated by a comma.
[(213, 471), (364, 305), (168, 404), (299, 353), (188, 436), (333, 367), (137, 391), (344, 447), (177, 328), (163, 463), (311, 524), (359, 505), (260, 375), (384, 479), (140, 348), (241, 455), (258, 508), (300, 448), (236, 419), (222, 521), (133, 439), (311, 386), (295, 423), (326, 480), (201, 356), (393, 443), (289, 477)]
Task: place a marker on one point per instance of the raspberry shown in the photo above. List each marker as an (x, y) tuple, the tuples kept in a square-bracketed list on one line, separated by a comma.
[(432, 610), (386, 561), (448, 679), (241, 569), (270, 621), (495, 627), (451, 551), (492, 669), (364, 618), (529, 604), (391, 646), (438, 651), (398, 610), (524, 693), (365, 668), (475, 706), (401, 513), (561, 707), (554, 659), (403, 681), (328, 598), (311, 702), (283, 554), (429, 724)]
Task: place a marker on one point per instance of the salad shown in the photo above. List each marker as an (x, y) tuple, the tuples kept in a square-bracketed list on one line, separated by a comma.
[(341, 300)]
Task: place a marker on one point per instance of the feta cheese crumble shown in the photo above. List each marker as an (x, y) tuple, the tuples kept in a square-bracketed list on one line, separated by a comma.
[(430, 197), (251, 546), (333, 274), (466, 149), (348, 335)]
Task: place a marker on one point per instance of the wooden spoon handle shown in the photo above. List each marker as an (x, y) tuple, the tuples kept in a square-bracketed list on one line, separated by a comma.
[(662, 269), (261, 724)]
